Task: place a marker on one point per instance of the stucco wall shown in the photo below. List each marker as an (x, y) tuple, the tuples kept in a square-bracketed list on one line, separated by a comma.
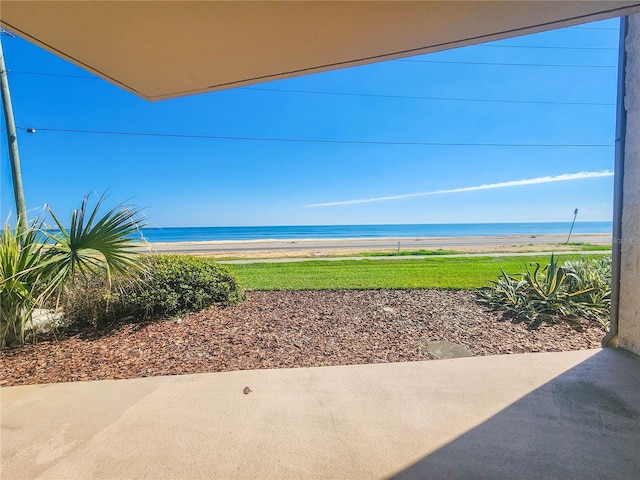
[(629, 310)]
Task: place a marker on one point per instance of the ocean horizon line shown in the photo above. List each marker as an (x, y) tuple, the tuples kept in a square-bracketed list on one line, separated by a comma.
[(292, 232), (376, 224)]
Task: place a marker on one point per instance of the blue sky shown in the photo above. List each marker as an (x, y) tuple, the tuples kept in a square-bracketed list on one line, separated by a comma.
[(221, 182)]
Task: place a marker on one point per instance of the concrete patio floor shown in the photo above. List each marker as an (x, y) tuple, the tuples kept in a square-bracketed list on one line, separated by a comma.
[(544, 415)]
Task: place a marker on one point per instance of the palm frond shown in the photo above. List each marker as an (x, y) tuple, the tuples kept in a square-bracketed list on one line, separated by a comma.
[(35, 264), (99, 243)]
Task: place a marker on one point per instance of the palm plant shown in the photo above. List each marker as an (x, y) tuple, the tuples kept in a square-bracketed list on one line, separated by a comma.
[(20, 275), (93, 245), (36, 264)]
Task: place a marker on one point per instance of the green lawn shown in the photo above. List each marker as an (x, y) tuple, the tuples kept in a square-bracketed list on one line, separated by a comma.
[(450, 273), (404, 253), (589, 247)]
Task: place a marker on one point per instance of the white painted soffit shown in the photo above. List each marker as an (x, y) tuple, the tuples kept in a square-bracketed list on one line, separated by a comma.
[(164, 49)]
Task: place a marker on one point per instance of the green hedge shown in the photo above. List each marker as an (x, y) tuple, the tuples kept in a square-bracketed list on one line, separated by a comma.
[(168, 285), (177, 283)]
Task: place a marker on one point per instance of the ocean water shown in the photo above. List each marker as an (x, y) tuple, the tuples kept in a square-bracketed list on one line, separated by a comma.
[(202, 234)]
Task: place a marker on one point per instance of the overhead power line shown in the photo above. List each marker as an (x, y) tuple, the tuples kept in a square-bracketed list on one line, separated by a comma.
[(595, 28), (308, 140), (45, 74), (509, 64), (554, 47), (505, 64), (419, 97), (368, 95)]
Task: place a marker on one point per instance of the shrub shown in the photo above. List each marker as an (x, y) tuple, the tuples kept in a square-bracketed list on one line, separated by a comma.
[(178, 283), (167, 285), (97, 302), (575, 289)]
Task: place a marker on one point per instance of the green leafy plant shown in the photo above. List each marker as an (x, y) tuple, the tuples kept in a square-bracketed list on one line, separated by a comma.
[(92, 244), (591, 280), (20, 278), (37, 263), (167, 285), (573, 289), (178, 283), (506, 293)]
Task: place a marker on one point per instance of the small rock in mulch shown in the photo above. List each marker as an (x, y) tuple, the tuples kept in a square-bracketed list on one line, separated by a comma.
[(291, 329), (447, 350)]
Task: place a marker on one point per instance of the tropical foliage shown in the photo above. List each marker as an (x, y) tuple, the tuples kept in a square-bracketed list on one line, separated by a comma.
[(92, 244), (580, 288), (21, 270), (37, 263)]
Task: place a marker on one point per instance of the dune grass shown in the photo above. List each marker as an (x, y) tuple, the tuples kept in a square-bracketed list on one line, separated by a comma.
[(445, 273)]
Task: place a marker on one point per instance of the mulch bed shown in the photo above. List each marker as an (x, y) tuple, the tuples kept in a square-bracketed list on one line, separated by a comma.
[(291, 329)]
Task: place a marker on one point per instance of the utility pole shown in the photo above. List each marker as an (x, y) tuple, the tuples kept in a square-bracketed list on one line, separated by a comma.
[(12, 142), (575, 214)]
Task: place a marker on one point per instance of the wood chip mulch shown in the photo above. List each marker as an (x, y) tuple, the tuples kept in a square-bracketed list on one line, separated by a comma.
[(291, 329)]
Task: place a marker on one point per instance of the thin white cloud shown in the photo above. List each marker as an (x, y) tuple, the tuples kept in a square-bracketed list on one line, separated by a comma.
[(514, 183)]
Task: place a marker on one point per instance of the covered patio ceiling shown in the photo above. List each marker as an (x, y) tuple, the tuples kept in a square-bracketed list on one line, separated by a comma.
[(165, 49)]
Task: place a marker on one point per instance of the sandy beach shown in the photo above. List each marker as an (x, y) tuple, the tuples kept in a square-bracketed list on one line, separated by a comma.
[(351, 246)]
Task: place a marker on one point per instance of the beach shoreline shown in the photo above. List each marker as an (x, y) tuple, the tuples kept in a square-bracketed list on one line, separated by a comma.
[(285, 248)]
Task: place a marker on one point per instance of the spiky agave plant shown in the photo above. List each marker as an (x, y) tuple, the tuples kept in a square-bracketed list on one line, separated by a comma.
[(590, 279), (572, 289), (505, 293), (556, 289)]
